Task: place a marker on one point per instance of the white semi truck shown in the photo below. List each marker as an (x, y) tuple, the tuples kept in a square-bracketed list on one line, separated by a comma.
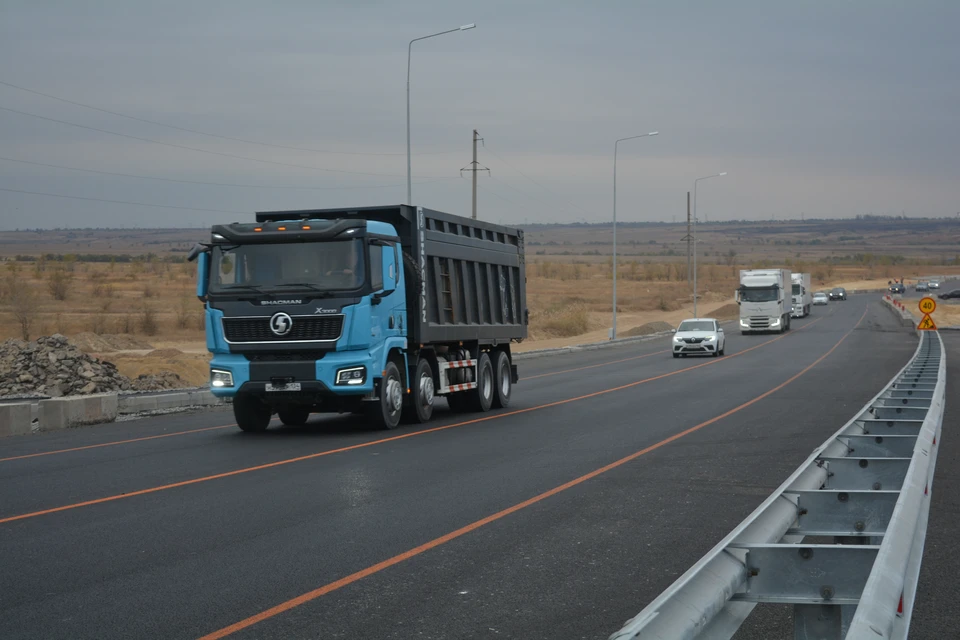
[(802, 295), (765, 300)]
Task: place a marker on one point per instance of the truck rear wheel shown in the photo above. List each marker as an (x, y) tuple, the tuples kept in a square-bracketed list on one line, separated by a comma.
[(481, 398), (422, 394), (385, 413), (503, 381), (294, 416), (251, 414)]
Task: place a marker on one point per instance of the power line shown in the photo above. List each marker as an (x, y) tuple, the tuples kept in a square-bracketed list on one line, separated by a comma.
[(211, 135), (216, 184), (215, 153), (494, 193), (548, 206), (499, 157), (139, 204)]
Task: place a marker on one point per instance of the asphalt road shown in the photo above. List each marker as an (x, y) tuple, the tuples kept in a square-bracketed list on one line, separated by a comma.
[(611, 473)]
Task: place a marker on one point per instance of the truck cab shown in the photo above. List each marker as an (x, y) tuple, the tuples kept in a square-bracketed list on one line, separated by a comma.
[(765, 300), (802, 295), (301, 309)]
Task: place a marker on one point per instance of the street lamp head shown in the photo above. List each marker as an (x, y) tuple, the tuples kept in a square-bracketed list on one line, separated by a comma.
[(722, 174), (653, 133), (468, 26)]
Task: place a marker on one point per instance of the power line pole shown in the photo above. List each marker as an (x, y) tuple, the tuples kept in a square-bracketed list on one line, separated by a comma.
[(474, 167), (688, 237)]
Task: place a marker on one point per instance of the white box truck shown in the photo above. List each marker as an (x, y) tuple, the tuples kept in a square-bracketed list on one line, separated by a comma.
[(802, 295), (765, 300)]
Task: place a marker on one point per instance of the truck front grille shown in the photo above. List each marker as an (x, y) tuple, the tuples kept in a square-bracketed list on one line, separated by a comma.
[(303, 329), (759, 322)]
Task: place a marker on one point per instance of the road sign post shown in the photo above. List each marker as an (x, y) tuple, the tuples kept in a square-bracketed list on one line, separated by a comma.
[(926, 323), (927, 306)]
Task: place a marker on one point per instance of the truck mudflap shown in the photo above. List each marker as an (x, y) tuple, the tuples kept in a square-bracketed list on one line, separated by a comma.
[(514, 374)]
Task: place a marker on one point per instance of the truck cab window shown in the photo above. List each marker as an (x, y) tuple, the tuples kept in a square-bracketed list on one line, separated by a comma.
[(759, 294), (333, 265)]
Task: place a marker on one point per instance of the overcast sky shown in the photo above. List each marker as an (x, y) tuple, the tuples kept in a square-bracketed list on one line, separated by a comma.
[(828, 108)]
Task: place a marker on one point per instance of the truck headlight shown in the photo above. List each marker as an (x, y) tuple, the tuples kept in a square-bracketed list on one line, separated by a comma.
[(775, 323), (220, 378), (352, 375), (744, 323)]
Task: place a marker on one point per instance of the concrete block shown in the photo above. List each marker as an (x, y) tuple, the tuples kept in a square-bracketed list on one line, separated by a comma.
[(169, 400), (204, 398), (74, 411), (15, 418), (174, 400), (137, 404)]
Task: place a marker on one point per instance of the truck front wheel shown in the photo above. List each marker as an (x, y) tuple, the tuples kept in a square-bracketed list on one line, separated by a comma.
[(503, 381), (385, 413), (251, 414), (481, 398), (294, 416)]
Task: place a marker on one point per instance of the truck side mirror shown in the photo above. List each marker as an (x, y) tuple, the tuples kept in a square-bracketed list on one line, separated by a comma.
[(196, 251), (203, 274)]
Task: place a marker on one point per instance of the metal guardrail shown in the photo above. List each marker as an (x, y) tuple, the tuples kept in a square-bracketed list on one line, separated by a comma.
[(841, 539)]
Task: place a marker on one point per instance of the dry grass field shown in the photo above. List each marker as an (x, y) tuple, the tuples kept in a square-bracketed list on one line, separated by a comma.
[(136, 305)]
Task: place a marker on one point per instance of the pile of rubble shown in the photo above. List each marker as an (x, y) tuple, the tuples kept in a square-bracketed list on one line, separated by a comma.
[(52, 366), (158, 381)]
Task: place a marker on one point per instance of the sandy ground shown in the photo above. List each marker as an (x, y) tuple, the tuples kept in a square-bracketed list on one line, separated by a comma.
[(946, 315)]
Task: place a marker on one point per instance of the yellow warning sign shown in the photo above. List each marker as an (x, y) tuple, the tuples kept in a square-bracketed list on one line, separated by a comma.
[(926, 323), (927, 305)]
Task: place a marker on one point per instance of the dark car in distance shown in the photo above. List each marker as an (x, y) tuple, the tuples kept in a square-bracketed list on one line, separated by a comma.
[(949, 295), (838, 293), (897, 287)]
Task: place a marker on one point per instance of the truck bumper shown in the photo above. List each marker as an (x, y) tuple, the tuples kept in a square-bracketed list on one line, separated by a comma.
[(317, 379), (760, 324)]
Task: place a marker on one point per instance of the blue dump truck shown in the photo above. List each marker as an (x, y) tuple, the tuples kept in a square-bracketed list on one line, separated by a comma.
[(377, 310)]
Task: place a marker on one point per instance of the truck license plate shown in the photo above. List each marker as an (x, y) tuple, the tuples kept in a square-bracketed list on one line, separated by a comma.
[(290, 386)]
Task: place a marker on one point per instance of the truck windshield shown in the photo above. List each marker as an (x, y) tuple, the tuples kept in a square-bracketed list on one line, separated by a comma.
[(759, 294), (796, 289), (328, 266)]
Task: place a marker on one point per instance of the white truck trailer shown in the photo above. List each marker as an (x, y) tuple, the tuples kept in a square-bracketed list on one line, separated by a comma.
[(802, 295), (765, 300)]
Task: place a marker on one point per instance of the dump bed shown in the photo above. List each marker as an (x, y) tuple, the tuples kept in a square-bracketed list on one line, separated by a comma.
[(469, 282)]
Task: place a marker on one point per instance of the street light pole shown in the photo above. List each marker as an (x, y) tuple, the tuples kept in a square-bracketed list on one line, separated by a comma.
[(613, 330), (716, 175), (409, 53)]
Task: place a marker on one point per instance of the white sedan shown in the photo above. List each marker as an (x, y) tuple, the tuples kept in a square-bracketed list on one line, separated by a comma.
[(702, 336), (820, 298)]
